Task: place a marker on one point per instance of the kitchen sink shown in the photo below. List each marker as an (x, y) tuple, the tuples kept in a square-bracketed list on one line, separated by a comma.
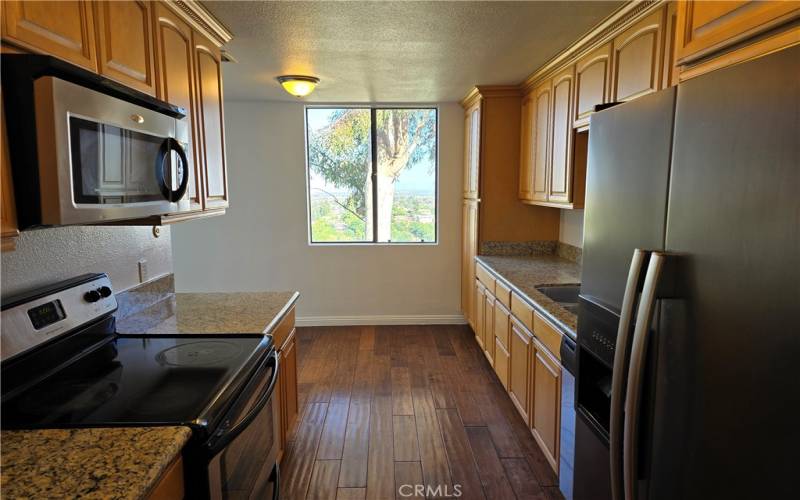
[(564, 295)]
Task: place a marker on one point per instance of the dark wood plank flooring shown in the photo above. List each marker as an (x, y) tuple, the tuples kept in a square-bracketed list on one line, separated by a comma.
[(387, 406)]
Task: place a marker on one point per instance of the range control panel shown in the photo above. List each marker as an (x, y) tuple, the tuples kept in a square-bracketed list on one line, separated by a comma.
[(41, 315)]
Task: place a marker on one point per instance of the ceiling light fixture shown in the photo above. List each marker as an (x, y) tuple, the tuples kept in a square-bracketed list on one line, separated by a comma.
[(298, 85)]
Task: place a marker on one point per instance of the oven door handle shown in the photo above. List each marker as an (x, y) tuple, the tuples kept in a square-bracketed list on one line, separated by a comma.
[(218, 443), (275, 478)]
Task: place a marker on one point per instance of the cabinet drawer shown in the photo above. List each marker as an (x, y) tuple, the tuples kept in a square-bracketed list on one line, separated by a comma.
[(502, 324), (522, 311), (502, 293), (547, 334), (282, 331), (485, 277), (501, 358)]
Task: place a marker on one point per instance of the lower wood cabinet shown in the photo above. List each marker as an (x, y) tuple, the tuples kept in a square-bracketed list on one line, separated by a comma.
[(488, 328), (288, 388), (170, 484), (545, 395), (469, 249), (519, 367)]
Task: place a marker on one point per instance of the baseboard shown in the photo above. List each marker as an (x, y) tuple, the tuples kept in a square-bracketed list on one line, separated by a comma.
[(430, 319)]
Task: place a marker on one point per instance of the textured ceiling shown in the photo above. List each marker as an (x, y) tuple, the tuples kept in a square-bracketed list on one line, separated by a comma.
[(395, 51)]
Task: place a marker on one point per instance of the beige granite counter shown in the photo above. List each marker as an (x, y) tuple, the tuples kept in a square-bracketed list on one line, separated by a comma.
[(111, 463), (241, 312), (524, 273)]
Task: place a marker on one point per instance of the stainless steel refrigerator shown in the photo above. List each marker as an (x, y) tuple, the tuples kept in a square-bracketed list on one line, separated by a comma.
[(688, 383)]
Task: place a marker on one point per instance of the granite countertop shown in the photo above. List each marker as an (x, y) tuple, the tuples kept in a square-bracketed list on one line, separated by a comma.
[(126, 462), (211, 313), (524, 273), (118, 463)]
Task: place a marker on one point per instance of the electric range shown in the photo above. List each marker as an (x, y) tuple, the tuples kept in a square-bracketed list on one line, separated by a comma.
[(65, 366)]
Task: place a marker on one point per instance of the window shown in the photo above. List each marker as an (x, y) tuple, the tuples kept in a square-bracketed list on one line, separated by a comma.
[(372, 174)]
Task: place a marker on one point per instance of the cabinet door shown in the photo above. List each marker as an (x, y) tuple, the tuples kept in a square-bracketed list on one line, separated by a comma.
[(546, 402), (541, 141), (519, 371), (560, 185), (469, 249), (592, 83), (488, 329), (176, 83), (527, 127), (472, 150), (8, 210), (638, 56), (502, 326), (706, 27), (125, 43), (209, 121), (63, 29), (501, 363), (480, 301), (289, 403)]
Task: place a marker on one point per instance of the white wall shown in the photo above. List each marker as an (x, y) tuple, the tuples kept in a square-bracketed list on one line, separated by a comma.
[(44, 256), (262, 242), (571, 228)]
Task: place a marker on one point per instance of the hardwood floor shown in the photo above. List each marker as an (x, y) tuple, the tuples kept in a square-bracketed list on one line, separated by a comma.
[(387, 406)]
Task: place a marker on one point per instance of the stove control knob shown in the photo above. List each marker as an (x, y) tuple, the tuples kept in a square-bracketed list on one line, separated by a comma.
[(91, 296), (104, 291)]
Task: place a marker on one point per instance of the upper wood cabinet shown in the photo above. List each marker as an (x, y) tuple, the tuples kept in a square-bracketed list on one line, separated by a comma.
[(63, 29), (528, 116), (176, 84), (540, 136), (472, 149), (545, 412), (125, 43), (709, 26), (638, 56), (560, 186), (209, 121), (592, 83)]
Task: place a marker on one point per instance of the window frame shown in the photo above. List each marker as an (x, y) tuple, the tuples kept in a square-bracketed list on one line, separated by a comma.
[(373, 108)]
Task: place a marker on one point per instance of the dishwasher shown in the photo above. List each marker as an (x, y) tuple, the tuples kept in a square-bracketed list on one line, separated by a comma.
[(567, 459)]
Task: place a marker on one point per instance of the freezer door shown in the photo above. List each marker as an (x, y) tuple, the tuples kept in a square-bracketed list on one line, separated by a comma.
[(727, 385), (626, 191)]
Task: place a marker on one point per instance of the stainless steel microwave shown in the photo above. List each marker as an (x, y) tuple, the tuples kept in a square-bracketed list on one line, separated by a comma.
[(96, 152)]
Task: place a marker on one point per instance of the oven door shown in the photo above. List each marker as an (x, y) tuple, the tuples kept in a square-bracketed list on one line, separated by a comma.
[(244, 450), (105, 159)]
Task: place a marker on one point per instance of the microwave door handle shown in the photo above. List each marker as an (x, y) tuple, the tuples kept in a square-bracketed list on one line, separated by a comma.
[(633, 393), (218, 443), (169, 146), (618, 376)]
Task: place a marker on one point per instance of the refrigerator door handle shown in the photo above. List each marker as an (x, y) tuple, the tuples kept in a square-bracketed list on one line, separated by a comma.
[(636, 367), (619, 371)]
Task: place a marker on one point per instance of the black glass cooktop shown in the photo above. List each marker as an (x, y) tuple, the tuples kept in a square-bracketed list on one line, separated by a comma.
[(132, 380)]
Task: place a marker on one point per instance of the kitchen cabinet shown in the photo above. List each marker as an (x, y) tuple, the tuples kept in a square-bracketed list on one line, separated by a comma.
[(472, 144), (469, 249), (480, 316), (488, 328), (288, 388), (125, 43), (63, 29), (176, 82), (559, 189), (707, 26), (8, 211), (526, 148), (519, 367), (545, 383), (170, 484), (502, 329), (209, 121), (592, 83), (541, 134), (638, 57)]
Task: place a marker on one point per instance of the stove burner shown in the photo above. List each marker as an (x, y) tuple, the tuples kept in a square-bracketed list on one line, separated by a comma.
[(203, 352)]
